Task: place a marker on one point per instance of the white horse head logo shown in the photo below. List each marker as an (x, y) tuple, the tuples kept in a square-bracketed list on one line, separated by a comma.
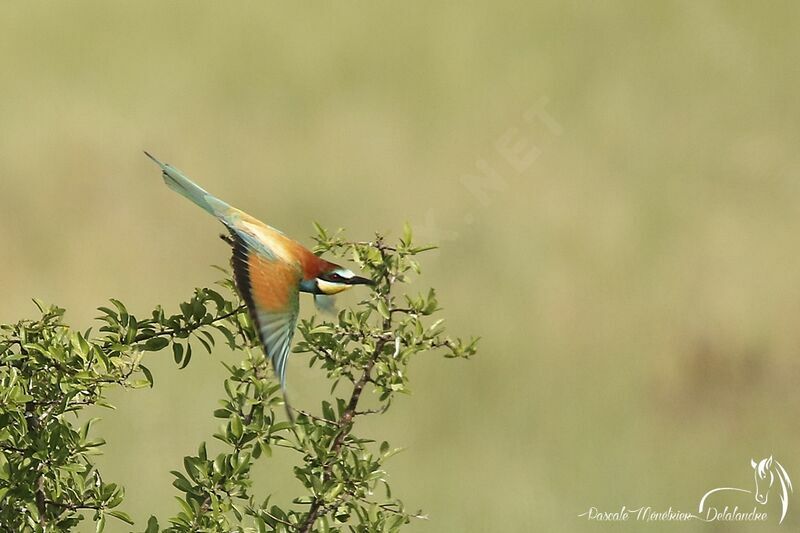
[(766, 472)]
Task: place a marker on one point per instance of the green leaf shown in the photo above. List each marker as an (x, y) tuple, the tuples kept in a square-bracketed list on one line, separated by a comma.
[(236, 426), (121, 516), (155, 344), (177, 352), (152, 525), (147, 374), (334, 492), (407, 234), (205, 344), (229, 337), (280, 426), (265, 449), (187, 357), (420, 249), (181, 483), (202, 453), (321, 233), (382, 308)]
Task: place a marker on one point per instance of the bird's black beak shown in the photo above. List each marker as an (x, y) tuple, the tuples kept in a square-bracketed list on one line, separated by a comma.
[(358, 280)]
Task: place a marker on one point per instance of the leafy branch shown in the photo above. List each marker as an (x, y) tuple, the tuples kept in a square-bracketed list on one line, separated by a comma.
[(48, 481)]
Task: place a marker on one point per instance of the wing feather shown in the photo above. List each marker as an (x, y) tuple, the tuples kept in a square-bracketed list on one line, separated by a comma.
[(270, 288)]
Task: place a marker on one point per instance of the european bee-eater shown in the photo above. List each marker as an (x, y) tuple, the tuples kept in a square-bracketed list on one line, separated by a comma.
[(269, 268)]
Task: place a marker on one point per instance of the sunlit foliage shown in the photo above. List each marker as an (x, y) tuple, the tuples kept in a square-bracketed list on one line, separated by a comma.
[(49, 372)]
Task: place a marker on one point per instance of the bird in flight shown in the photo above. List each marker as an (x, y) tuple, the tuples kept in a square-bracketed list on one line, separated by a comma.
[(269, 268)]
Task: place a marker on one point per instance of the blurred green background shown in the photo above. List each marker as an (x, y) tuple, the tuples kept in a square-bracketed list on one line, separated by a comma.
[(633, 275)]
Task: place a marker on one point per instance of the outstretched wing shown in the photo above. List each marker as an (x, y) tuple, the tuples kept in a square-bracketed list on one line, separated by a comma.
[(270, 289)]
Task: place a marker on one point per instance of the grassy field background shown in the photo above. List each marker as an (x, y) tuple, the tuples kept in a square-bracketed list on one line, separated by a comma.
[(634, 279)]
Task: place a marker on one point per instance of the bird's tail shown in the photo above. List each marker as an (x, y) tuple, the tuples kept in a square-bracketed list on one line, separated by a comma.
[(179, 183)]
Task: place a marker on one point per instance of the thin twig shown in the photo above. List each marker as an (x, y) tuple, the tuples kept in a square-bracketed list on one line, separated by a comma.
[(188, 329)]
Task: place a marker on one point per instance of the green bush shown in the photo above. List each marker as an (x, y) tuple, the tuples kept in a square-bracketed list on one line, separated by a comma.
[(48, 481)]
